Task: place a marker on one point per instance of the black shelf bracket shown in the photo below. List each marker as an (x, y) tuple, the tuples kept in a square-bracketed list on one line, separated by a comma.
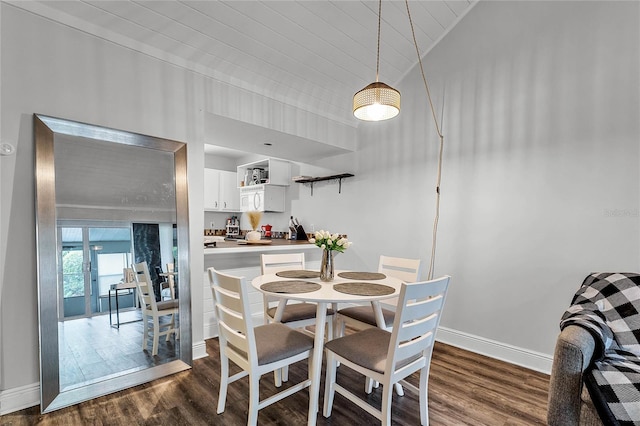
[(313, 180)]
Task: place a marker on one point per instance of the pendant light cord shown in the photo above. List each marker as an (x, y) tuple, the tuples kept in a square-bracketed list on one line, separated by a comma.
[(438, 130), (378, 52)]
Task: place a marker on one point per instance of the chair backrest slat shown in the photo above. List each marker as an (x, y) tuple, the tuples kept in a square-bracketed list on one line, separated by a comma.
[(416, 342), (143, 291), (228, 299), (230, 317), (412, 329), (416, 320), (272, 263), (407, 270), (232, 337), (419, 309), (436, 287)]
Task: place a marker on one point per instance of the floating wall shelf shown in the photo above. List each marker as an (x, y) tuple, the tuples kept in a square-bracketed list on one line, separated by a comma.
[(312, 180)]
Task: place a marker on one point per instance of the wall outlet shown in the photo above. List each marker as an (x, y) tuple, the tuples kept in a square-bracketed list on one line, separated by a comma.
[(212, 225)]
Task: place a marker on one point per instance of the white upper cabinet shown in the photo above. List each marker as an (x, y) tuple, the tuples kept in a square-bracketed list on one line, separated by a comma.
[(229, 194), (211, 189), (220, 191)]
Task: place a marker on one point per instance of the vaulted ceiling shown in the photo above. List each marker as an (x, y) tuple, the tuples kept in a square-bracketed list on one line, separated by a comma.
[(310, 54)]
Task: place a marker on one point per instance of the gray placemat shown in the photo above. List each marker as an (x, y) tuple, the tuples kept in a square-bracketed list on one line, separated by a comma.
[(298, 274), (363, 289), (291, 286), (362, 275)]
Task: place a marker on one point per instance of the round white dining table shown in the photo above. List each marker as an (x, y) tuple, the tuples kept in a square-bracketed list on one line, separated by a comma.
[(322, 296)]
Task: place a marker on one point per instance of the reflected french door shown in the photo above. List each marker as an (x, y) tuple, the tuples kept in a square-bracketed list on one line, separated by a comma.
[(91, 260)]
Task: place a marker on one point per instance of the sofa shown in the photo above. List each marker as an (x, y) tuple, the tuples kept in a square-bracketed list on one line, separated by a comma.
[(595, 377), (569, 400)]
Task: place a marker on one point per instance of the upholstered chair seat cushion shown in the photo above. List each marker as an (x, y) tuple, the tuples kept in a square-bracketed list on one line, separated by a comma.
[(367, 348), (297, 311), (276, 342), (167, 304), (366, 315)]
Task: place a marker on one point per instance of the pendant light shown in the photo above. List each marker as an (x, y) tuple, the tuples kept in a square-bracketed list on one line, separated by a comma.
[(377, 101)]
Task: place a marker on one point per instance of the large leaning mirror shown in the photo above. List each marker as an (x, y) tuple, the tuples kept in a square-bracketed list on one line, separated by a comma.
[(107, 199)]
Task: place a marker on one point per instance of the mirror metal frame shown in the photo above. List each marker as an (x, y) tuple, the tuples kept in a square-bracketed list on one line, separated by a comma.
[(45, 129)]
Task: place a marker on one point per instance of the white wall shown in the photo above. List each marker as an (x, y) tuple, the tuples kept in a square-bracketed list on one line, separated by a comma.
[(543, 137), (540, 181)]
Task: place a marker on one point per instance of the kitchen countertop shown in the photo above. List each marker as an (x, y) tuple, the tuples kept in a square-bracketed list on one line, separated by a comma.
[(227, 247)]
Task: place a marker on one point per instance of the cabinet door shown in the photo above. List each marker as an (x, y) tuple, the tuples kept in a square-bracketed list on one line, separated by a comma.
[(229, 193), (211, 189), (273, 198)]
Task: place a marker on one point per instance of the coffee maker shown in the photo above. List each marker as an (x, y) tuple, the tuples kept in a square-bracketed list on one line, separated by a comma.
[(259, 176)]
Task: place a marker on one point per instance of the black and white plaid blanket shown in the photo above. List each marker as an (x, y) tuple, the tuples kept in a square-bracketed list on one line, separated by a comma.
[(608, 305)]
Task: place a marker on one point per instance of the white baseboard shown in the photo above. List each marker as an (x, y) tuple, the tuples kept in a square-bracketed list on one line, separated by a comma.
[(210, 331), (512, 354), (199, 350), (19, 398)]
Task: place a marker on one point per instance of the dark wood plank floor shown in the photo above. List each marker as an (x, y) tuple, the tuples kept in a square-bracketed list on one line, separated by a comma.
[(464, 389), (90, 349)]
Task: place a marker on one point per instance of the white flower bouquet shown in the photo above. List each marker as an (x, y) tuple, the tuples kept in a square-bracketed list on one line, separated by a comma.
[(330, 242)]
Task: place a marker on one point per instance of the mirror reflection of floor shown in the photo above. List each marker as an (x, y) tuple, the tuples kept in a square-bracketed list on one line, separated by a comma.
[(91, 350)]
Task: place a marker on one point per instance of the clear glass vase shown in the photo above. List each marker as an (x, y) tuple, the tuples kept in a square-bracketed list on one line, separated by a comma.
[(326, 266)]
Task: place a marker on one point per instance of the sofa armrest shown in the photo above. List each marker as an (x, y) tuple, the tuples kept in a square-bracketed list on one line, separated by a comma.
[(574, 349)]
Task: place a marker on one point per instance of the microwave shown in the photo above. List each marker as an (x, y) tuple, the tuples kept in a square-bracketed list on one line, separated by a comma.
[(262, 198)]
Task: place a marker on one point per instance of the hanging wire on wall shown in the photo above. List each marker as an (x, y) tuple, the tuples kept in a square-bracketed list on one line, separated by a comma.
[(441, 149)]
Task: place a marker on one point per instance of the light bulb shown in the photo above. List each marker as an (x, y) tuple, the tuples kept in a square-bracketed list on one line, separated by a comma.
[(376, 111)]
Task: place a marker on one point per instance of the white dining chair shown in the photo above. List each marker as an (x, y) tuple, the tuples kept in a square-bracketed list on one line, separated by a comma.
[(389, 357), (153, 311), (295, 314), (258, 350), (168, 288), (363, 317)]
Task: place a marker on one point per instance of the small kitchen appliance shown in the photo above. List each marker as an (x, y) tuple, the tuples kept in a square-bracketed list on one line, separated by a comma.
[(259, 176), (266, 230)]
